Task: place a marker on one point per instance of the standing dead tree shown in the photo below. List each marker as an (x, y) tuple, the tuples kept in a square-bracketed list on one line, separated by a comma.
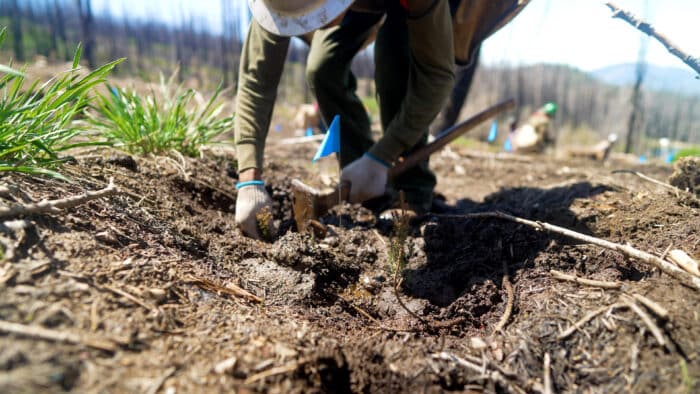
[(87, 28), (635, 119), (646, 27), (16, 17)]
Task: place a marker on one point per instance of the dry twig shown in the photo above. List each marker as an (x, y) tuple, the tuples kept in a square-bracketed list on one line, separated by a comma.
[(56, 336), (658, 310), (289, 367), (655, 330), (360, 310), (547, 378), (230, 289), (109, 288), (681, 259), (128, 296), (650, 179), (627, 250), (160, 380), (648, 29), (566, 333), (509, 304), (494, 375), (582, 281), (54, 205)]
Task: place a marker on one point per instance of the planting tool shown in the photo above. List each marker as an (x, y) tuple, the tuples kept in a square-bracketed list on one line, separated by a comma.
[(309, 203)]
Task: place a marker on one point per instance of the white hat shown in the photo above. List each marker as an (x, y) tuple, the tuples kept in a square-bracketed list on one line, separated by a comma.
[(296, 17)]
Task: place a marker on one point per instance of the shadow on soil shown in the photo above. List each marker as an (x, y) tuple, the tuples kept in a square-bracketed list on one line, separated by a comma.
[(466, 257)]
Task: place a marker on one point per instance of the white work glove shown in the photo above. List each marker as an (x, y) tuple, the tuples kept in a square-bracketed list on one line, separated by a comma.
[(254, 209), (367, 177)]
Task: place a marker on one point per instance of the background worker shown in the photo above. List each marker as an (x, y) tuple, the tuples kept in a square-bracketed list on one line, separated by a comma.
[(536, 134)]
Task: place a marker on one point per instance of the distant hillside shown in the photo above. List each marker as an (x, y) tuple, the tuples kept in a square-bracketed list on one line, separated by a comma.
[(670, 79)]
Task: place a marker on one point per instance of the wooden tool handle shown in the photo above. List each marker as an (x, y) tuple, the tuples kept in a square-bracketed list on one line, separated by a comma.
[(448, 136)]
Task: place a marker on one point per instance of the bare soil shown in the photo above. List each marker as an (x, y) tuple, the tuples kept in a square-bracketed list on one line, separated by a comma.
[(145, 282)]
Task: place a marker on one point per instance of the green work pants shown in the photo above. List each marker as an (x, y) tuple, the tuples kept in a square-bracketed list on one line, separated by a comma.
[(330, 78)]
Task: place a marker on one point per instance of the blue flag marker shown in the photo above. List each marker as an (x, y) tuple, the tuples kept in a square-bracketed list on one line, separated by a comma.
[(331, 142), (508, 146), (493, 132)]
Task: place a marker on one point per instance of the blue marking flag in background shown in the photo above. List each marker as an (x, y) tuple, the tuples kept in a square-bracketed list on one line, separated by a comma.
[(331, 142), (493, 133)]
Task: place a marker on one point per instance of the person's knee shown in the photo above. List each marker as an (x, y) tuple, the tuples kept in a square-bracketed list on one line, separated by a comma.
[(319, 72)]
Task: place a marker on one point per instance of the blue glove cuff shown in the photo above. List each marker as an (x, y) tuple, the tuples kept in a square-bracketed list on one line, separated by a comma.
[(378, 160), (240, 185)]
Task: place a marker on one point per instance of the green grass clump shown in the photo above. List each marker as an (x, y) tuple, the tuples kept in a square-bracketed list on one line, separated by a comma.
[(38, 122), (145, 125), (688, 152)]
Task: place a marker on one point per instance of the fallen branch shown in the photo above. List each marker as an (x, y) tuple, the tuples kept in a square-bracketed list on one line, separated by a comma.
[(582, 281), (547, 378), (56, 336), (110, 288), (495, 376), (655, 330), (230, 289), (650, 179), (647, 28), (509, 304), (658, 310), (55, 205), (681, 259), (360, 310), (627, 250), (566, 333), (289, 367), (128, 296), (160, 380)]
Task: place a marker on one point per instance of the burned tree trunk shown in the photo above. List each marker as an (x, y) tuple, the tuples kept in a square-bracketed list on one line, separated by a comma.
[(17, 46), (87, 22), (633, 125)]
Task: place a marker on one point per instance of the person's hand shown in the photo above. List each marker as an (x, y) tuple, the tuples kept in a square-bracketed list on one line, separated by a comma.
[(254, 210), (367, 177)]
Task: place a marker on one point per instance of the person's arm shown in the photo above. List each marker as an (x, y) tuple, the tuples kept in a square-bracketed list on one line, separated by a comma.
[(430, 81), (262, 62)]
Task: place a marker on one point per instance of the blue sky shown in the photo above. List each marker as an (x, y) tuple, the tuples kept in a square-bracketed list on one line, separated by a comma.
[(580, 33)]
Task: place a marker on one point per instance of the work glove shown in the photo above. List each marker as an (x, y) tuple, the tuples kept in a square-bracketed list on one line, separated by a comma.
[(367, 177), (254, 210)]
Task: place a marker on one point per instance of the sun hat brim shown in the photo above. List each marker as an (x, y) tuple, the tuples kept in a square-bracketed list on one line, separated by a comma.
[(299, 24)]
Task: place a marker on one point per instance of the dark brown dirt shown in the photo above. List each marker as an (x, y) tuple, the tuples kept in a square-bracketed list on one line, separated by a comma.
[(128, 269)]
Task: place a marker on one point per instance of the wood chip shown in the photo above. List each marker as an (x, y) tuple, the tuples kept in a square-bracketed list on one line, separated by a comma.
[(681, 259)]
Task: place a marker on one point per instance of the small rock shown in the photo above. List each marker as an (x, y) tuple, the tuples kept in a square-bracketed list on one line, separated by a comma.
[(157, 294), (477, 343), (372, 283), (107, 237), (225, 366), (331, 241), (265, 364)]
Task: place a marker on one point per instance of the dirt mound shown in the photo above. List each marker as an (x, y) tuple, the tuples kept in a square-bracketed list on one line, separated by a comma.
[(154, 289), (686, 174)]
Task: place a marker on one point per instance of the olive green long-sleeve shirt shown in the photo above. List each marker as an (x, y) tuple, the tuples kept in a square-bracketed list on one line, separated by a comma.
[(431, 76)]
